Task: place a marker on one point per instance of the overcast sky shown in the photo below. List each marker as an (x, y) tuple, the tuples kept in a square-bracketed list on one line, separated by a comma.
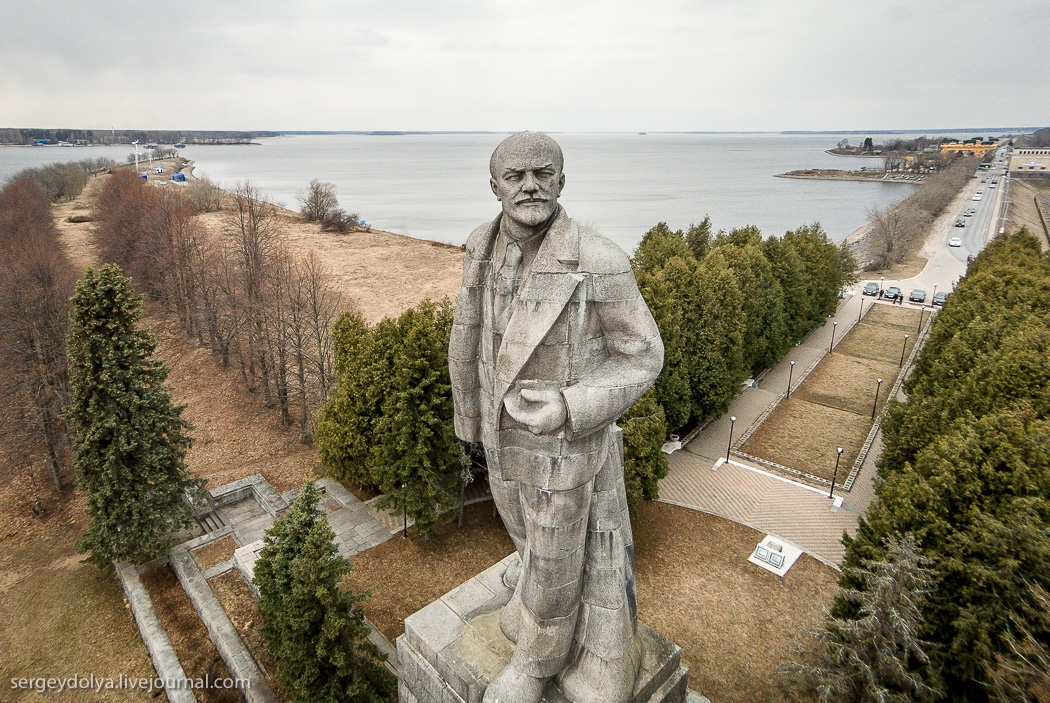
[(565, 65)]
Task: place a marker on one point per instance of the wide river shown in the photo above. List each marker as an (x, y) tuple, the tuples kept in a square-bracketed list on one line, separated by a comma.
[(435, 186)]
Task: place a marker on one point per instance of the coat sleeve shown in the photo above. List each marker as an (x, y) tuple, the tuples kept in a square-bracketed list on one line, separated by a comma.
[(465, 339), (634, 351)]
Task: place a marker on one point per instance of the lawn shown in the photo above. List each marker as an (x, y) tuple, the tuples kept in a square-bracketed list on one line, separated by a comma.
[(59, 616), (877, 342), (904, 319), (848, 383), (695, 586), (804, 436)]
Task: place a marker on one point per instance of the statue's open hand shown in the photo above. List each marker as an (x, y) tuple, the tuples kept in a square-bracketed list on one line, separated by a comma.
[(542, 410)]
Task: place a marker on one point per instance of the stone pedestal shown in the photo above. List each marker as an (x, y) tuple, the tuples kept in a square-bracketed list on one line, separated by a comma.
[(452, 648)]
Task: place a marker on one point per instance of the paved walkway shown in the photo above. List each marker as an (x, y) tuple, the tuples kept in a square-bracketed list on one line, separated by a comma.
[(749, 494), (803, 516)]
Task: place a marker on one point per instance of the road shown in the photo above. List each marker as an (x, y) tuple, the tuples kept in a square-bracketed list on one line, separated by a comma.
[(947, 264)]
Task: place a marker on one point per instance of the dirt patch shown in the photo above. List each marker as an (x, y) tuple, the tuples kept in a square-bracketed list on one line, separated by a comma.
[(239, 603), (406, 574), (876, 342), (187, 633), (803, 436), (848, 383), (734, 621), (897, 317), (215, 553)]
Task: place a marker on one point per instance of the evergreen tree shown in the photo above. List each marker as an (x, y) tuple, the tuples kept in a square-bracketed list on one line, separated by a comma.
[(966, 468), (761, 301), (791, 274), (659, 245), (673, 387), (315, 630), (418, 467), (698, 237), (346, 423), (876, 656), (130, 445), (644, 434), (715, 347)]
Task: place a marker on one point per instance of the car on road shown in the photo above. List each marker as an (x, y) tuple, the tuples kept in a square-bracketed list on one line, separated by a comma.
[(960, 223), (970, 258), (955, 242), (917, 296), (892, 293), (939, 298), (871, 288), (968, 212), (977, 197)]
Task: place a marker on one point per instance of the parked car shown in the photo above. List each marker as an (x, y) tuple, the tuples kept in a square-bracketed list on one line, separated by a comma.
[(917, 296), (892, 293), (939, 298), (955, 242), (871, 288)]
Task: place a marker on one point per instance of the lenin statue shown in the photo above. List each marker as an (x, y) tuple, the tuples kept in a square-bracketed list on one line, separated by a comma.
[(551, 343)]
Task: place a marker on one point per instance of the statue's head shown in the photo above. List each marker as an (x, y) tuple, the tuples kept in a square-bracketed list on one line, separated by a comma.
[(527, 177)]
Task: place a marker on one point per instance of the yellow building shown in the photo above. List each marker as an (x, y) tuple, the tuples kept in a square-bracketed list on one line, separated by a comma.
[(977, 147)]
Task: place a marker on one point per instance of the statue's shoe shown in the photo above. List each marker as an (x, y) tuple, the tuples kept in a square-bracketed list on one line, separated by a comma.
[(591, 679), (512, 685), (512, 574)]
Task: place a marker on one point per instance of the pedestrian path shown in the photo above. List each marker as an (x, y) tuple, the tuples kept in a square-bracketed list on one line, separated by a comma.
[(802, 515), (751, 495)]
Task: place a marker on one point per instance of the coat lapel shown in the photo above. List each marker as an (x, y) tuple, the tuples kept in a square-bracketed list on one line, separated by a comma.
[(546, 290)]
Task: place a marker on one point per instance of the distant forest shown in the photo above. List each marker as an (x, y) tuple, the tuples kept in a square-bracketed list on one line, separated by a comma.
[(126, 136)]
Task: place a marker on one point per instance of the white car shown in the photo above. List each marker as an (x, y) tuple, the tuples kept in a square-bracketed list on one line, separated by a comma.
[(955, 242), (977, 197)]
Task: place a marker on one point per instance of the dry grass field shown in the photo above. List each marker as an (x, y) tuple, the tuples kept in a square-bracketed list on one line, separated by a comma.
[(848, 383), (877, 342), (896, 317), (60, 617), (804, 436), (832, 408)]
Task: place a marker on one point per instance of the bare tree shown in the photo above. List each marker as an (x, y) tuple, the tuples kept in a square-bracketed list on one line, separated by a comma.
[(317, 201)]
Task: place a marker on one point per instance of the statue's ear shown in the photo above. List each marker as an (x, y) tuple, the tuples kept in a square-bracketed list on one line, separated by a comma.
[(561, 184), (495, 190)]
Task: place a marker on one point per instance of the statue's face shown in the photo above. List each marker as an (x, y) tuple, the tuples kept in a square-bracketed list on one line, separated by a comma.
[(527, 178)]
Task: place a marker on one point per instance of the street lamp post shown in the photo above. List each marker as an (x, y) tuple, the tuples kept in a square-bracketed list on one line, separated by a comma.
[(836, 474), (834, 326), (922, 312), (791, 370), (901, 365), (404, 514), (860, 313), (881, 288), (934, 290), (876, 403), (732, 423)]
